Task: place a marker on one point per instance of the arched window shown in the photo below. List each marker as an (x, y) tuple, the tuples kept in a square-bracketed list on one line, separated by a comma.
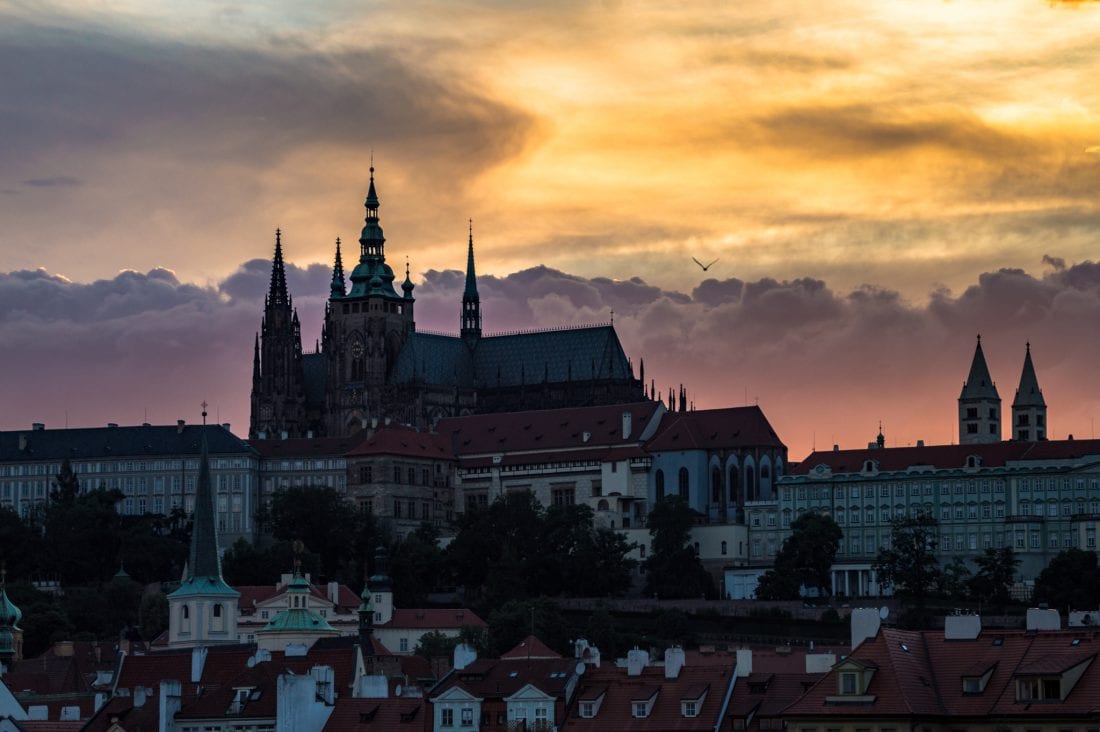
[(218, 622), (217, 610), (715, 485), (684, 483), (602, 506), (185, 619), (764, 492), (725, 548), (735, 486), (659, 479), (695, 546), (750, 482)]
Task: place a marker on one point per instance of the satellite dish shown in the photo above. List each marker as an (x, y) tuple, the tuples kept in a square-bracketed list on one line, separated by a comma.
[(580, 668), (883, 612)]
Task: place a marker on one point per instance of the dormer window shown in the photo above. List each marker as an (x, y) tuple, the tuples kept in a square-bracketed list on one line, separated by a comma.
[(976, 678), (1049, 679), (641, 710), (588, 710), (870, 466), (642, 705), (853, 678), (689, 709), (849, 682), (973, 461), (692, 701), (1038, 688)]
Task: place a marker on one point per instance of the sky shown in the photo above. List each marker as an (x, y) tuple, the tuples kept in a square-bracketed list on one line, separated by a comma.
[(878, 182)]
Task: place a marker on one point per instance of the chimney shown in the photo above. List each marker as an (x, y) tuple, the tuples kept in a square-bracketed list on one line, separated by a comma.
[(22, 441), (284, 434), (261, 435), (112, 425), (198, 660), (836, 447), (1039, 618), (225, 426), (324, 677), (962, 627), (586, 436), (171, 698), (920, 443), (334, 592), (139, 696), (819, 663), (464, 655), (38, 426), (743, 667), (179, 426), (63, 648), (636, 661), (865, 624), (309, 433), (674, 662), (627, 424)]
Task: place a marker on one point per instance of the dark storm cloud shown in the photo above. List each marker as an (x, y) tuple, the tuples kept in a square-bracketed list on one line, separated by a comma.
[(210, 103), (815, 357)]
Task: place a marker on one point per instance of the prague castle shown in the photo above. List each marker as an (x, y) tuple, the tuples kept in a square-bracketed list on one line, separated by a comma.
[(372, 363)]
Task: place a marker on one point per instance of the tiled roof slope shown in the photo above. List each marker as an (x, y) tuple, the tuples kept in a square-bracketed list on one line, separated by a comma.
[(530, 648), (294, 447), (920, 674), (405, 441), (377, 715), (993, 455), (714, 428), (547, 429), (491, 678), (615, 713), (115, 442)]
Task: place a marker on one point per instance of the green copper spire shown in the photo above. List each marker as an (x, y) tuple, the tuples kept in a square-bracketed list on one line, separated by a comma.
[(471, 302)]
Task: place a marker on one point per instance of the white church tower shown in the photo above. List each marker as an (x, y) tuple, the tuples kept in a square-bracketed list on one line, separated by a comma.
[(203, 611)]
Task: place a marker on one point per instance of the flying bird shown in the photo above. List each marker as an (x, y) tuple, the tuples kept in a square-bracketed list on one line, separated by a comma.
[(704, 266)]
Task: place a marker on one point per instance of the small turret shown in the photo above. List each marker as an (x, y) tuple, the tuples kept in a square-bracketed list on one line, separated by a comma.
[(337, 289), (407, 286)]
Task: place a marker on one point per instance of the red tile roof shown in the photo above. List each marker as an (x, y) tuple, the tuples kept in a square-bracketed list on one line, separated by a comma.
[(995, 455), (378, 715), (405, 441), (615, 713), (491, 678), (433, 618), (714, 428), (547, 429), (530, 647)]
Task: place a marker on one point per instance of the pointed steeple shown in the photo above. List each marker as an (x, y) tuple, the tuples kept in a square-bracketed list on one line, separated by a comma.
[(471, 302), (277, 295), (979, 404), (1028, 394), (979, 384), (371, 240), (337, 289), (256, 361), (203, 561)]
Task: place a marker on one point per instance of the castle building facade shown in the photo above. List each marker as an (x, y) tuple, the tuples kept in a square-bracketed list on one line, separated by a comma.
[(373, 364)]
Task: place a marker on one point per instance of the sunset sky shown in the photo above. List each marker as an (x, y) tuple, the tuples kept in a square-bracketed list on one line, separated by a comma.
[(879, 182)]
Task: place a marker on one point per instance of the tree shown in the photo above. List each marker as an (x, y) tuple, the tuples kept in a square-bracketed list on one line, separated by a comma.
[(955, 580), (996, 573), (435, 645), (804, 560), (66, 484), (909, 565), (416, 565), (328, 525), (1070, 581), (673, 570), (517, 619), (153, 615)]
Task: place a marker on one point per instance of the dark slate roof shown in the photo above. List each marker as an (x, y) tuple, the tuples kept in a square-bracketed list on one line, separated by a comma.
[(979, 384), (557, 356), (115, 442), (1028, 394), (315, 372), (714, 428)]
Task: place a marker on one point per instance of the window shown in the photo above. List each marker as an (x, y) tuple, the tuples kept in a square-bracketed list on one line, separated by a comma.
[(467, 716), (683, 483), (564, 496), (725, 547), (849, 683), (588, 710), (447, 717), (690, 709), (640, 710), (659, 481), (403, 645)]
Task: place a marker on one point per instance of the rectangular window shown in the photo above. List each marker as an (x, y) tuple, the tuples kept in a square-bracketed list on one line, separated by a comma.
[(640, 710), (446, 716), (564, 496), (403, 645)]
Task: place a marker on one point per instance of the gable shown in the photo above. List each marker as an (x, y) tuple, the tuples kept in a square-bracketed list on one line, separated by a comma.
[(529, 692), (455, 694)]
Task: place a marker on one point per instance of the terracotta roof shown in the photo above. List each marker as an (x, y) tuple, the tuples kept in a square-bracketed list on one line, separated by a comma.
[(305, 447), (530, 647), (252, 595), (433, 618), (377, 715), (615, 713), (926, 679), (714, 428), (994, 455), (547, 429), (491, 678), (405, 441)]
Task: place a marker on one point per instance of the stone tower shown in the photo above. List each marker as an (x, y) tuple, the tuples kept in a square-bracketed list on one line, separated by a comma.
[(365, 329), (278, 383), (1029, 409), (979, 404), (203, 611)]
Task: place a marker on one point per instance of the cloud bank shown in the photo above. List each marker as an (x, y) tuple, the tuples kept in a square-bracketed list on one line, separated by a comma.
[(825, 365)]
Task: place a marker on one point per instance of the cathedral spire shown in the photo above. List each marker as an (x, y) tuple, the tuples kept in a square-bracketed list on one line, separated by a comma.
[(979, 404), (277, 295), (337, 289), (371, 241), (256, 361), (471, 302), (1029, 409)]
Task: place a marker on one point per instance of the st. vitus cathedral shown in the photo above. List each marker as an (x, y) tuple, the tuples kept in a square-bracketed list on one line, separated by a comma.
[(373, 364)]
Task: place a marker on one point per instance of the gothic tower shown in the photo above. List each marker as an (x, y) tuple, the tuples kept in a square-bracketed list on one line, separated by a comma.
[(1029, 409), (471, 302), (979, 404), (203, 611), (278, 383), (365, 329)]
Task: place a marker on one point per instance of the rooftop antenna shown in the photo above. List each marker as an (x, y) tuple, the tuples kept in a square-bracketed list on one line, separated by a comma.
[(204, 405)]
